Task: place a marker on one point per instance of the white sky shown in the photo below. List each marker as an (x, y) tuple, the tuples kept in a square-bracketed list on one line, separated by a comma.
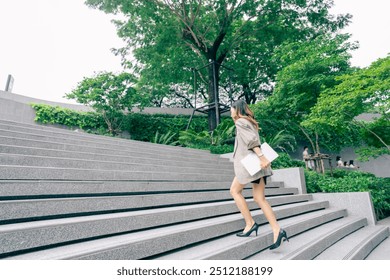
[(48, 46)]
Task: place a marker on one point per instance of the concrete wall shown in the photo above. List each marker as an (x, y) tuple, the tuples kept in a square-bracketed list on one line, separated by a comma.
[(16, 107), (359, 204), (16, 111), (379, 166), (292, 178), (27, 100)]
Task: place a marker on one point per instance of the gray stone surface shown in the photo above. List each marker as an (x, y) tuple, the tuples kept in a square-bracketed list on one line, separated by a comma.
[(9, 141), (28, 235), (128, 148), (310, 235), (152, 165), (129, 158), (155, 241), (19, 188), (382, 252), (292, 178), (140, 199), (357, 244), (312, 249), (49, 173), (232, 247), (15, 111), (359, 204), (29, 208)]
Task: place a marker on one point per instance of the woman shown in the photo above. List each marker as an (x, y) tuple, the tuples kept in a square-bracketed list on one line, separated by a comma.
[(247, 140), (339, 161), (306, 158)]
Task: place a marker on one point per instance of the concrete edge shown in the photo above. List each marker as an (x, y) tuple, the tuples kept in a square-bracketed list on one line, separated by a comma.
[(356, 203)]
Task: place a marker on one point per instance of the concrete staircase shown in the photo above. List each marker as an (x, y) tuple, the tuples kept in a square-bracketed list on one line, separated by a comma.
[(72, 195)]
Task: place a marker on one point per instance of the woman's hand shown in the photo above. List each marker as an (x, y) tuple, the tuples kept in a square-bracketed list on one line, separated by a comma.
[(264, 162)]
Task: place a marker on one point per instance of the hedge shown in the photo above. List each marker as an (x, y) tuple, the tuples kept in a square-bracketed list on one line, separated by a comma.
[(142, 127)]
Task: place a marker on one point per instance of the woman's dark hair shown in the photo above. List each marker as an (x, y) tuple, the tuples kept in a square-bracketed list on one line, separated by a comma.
[(338, 158), (243, 111), (304, 148), (345, 163)]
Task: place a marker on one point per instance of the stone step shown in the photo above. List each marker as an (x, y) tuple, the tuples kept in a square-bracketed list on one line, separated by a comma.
[(357, 245), (30, 151), (28, 235), (32, 209), (80, 135), (312, 249), (41, 161), (309, 243), (381, 252), (254, 247), (103, 142), (128, 151), (36, 188), (53, 173), (146, 243)]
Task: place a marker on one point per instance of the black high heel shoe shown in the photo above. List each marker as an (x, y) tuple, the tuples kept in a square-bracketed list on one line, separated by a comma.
[(255, 227), (282, 234)]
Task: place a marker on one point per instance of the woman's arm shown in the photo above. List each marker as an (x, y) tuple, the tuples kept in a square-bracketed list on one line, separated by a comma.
[(264, 162)]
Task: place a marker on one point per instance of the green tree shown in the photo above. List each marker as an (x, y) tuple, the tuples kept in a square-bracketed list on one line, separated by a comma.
[(108, 94), (167, 37), (365, 90), (307, 68)]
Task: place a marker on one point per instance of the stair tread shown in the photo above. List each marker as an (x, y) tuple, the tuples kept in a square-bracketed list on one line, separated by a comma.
[(38, 128), (72, 195), (207, 249), (154, 211), (46, 161), (47, 207), (112, 243), (381, 252), (302, 240), (20, 188), (344, 246), (111, 144)]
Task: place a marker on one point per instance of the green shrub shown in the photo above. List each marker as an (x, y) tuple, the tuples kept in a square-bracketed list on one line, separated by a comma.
[(57, 115), (353, 181), (165, 139), (143, 127), (285, 161), (312, 178), (217, 141), (221, 149)]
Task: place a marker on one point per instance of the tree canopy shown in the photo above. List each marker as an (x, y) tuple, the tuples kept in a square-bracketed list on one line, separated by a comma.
[(108, 94), (167, 38), (307, 68), (365, 90)]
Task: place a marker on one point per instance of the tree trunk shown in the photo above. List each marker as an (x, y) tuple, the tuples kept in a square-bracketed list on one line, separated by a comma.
[(213, 114), (250, 97)]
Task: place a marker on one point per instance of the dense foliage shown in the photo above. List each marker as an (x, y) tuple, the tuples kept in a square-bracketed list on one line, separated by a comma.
[(362, 91), (353, 181), (166, 38), (110, 95), (140, 126)]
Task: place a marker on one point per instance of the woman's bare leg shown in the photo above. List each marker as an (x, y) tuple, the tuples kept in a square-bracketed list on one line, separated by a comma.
[(259, 197), (236, 192)]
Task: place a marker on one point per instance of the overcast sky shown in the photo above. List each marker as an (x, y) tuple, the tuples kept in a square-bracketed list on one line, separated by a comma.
[(48, 46)]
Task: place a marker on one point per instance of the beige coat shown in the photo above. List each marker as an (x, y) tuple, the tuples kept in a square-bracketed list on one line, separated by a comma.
[(247, 138)]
